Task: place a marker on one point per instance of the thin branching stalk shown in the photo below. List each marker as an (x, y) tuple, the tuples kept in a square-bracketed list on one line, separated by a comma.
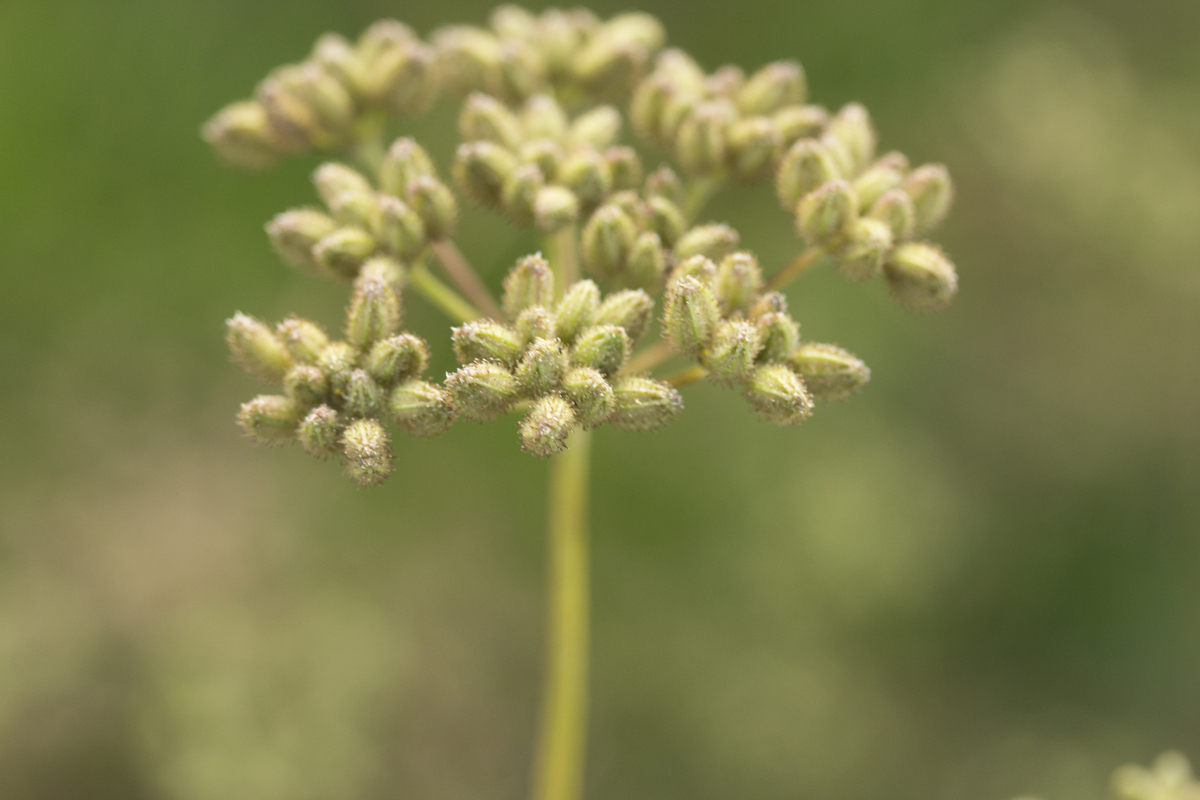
[(440, 295), (466, 278)]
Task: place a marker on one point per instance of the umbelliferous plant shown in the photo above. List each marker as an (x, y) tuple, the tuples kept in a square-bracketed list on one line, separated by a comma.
[(543, 105)]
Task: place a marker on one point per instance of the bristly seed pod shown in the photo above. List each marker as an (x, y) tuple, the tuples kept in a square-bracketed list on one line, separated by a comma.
[(542, 368), (545, 428), (307, 385), (304, 340), (320, 432), (256, 348), (731, 356), (852, 127), (520, 194), (529, 283), (630, 309), (773, 87), (664, 183), (806, 166), (602, 347), (337, 360), (896, 210), (555, 207), (666, 219), (643, 404), (482, 390), (698, 267), (363, 397), (754, 147), (768, 303), (826, 214), (396, 359), (270, 419), (401, 231), (625, 167), (779, 333), (242, 136), (480, 170), (435, 205), (932, 193), (576, 310), (702, 139), (367, 452), (713, 240), (599, 128), (484, 118), (588, 175), (543, 118), (882, 176), (829, 372), (421, 408), (739, 281), (486, 340), (920, 277), (690, 316), (375, 307), (778, 395), (607, 241), (405, 162), (333, 179), (293, 235), (862, 257), (590, 394), (342, 252), (535, 322), (799, 122), (647, 262)]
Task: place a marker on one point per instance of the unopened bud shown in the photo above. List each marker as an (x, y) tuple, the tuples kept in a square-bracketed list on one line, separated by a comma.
[(852, 127), (895, 209), (522, 72), (600, 128), (435, 205), (543, 118), (646, 108), (334, 179), (725, 83), (555, 207), (666, 219), (405, 162), (469, 58), (862, 257), (308, 103), (932, 193), (576, 310), (606, 242), (773, 87), (827, 213), (484, 118), (413, 82), (542, 368), (529, 283), (338, 58), (320, 432), (294, 233), (643, 404), (713, 241), (754, 147), (778, 395), (307, 385), (545, 428), (520, 194), (602, 347), (768, 303), (486, 340), (374, 311), (357, 210), (690, 316), (730, 357), (799, 122), (337, 361), (739, 280), (609, 68), (630, 309), (480, 170), (779, 333), (421, 408), (304, 340), (546, 154), (270, 419), (625, 166), (401, 231), (702, 139), (241, 135), (535, 322), (663, 182), (698, 267), (363, 396), (829, 372), (647, 262), (588, 175), (880, 177), (256, 348), (806, 166), (396, 359), (344, 251), (482, 389), (561, 34), (367, 452), (590, 394), (920, 277)]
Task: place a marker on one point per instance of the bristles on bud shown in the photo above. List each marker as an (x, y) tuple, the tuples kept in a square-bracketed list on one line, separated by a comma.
[(630, 309), (396, 359), (542, 368), (368, 455), (529, 283), (486, 340), (590, 394), (421, 408), (320, 432), (920, 277), (256, 348), (270, 419), (690, 316), (602, 347), (295, 233), (545, 428), (577, 310), (482, 389), (714, 241), (643, 404), (778, 395), (829, 372)]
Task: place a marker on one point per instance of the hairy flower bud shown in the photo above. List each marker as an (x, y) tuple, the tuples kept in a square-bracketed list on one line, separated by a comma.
[(338, 58), (367, 452), (630, 309), (664, 183), (625, 167), (739, 281), (649, 100), (852, 127), (600, 128), (827, 213), (293, 235), (882, 176), (806, 166), (773, 87), (862, 257), (920, 277), (270, 419), (363, 396), (304, 340), (545, 154), (306, 107), (555, 207), (256, 348), (421, 408), (690, 315), (482, 389), (486, 340), (590, 394), (768, 303), (643, 404), (647, 262), (401, 231), (779, 334), (542, 368), (530, 282), (520, 194), (375, 307), (714, 241), (754, 147), (242, 136), (602, 347), (698, 267), (932, 193), (337, 361), (606, 242), (435, 205), (666, 219), (896, 210), (778, 395), (468, 58), (333, 179), (535, 322), (344, 251), (545, 428), (543, 118), (735, 346), (480, 170), (702, 138), (829, 372), (576, 310), (396, 359), (356, 209), (307, 385), (320, 432), (404, 163), (588, 175), (484, 118), (799, 122)]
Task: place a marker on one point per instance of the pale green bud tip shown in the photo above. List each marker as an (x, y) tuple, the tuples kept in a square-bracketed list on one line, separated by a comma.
[(690, 316), (827, 213), (799, 122), (590, 394), (702, 139), (920, 277), (307, 107), (780, 334), (343, 251), (896, 210), (304, 340), (625, 166), (599, 128), (607, 241), (932, 194), (543, 118), (320, 432), (730, 358), (542, 368), (739, 281), (397, 358), (333, 179), (644, 404), (630, 309), (484, 118), (555, 207), (486, 340), (241, 135), (363, 396), (482, 389), (545, 428), (529, 283), (405, 162), (663, 182), (270, 419), (535, 322), (588, 175), (401, 231), (434, 203), (778, 395), (755, 145), (256, 348), (367, 452), (714, 240), (602, 347), (307, 385), (577, 310), (829, 372), (294, 233), (421, 408), (852, 128), (374, 311), (807, 165), (862, 257), (481, 169), (773, 87), (666, 219), (520, 194)]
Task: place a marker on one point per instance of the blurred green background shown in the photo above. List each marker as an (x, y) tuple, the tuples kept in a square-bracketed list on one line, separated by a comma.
[(977, 579)]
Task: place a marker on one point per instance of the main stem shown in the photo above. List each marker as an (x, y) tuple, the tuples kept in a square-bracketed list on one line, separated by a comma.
[(562, 738)]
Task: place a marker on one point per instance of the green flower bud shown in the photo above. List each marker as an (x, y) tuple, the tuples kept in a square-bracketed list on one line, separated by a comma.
[(545, 428), (561, 35), (852, 127), (352, 209), (629, 202), (293, 235), (338, 58), (768, 303), (690, 315), (609, 68), (664, 183), (896, 210), (643, 404), (307, 385), (576, 310), (304, 340), (647, 261), (590, 394), (435, 205), (522, 72), (679, 107), (405, 162), (754, 147), (543, 118), (535, 322), (242, 136), (634, 27), (827, 213), (270, 419), (363, 396), (306, 107), (630, 309), (725, 83), (829, 372), (702, 139), (486, 340), (520, 194), (374, 308), (381, 36), (480, 170), (806, 166), (879, 178), (599, 128), (320, 433), (773, 87), (482, 389), (401, 231), (714, 241), (468, 58), (546, 154), (779, 334), (920, 277), (778, 395), (529, 283), (513, 22), (256, 349), (625, 166), (588, 175), (862, 257), (606, 242), (484, 118), (730, 358), (409, 79), (333, 179), (698, 267), (932, 193), (555, 207), (666, 219), (799, 122), (367, 452), (396, 359), (337, 361), (542, 368), (738, 283), (681, 71), (344, 251), (839, 153), (602, 347), (421, 408), (646, 108)]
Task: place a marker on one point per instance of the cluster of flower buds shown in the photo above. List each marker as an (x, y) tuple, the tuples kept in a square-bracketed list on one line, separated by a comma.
[(538, 166), (564, 358), (1169, 778), (571, 54), (867, 212), (724, 124), (409, 209), (336, 392), (719, 316)]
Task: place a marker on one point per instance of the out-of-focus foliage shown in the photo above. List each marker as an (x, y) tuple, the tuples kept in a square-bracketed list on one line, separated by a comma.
[(977, 581)]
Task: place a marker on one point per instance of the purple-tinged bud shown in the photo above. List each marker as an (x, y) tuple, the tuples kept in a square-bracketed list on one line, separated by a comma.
[(374, 312), (773, 87), (486, 340), (576, 310), (542, 368), (714, 241), (367, 452), (606, 242), (480, 170), (799, 122), (484, 118), (482, 389), (404, 163), (555, 207), (895, 209), (546, 154), (588, 175), (827, 213), (396, 359), (644, 404), (270, 419), (363, 396), (435, 205), (625, 166), (520, 194), (529, 283), (778, 395), (602, 347), (768, 303), (862, 257), (829, 372), (535, 322), (242, 136), (806, 166), (754, 148), (543, 118), (852, 126), (739, 281), (320, 433), (932, 194), (308, 386), (880, 177), (338, 361), (333, 179), (664, 183), (647, 262), (295, 233), (545, 428), (630, 309), (342, 252), (599, 128), (304, 340), (590, 394), (256, 348), (690, 316), (730, 358), (401, 231), (421, 408), (920, 277), (702, 140), (665, 218), (779, 333)]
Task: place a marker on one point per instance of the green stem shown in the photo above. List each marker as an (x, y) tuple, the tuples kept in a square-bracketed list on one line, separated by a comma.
[(686, 376), (562, 738), (440, 295), (465, 278), (368, 149), (562, 251), (648, 358)]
